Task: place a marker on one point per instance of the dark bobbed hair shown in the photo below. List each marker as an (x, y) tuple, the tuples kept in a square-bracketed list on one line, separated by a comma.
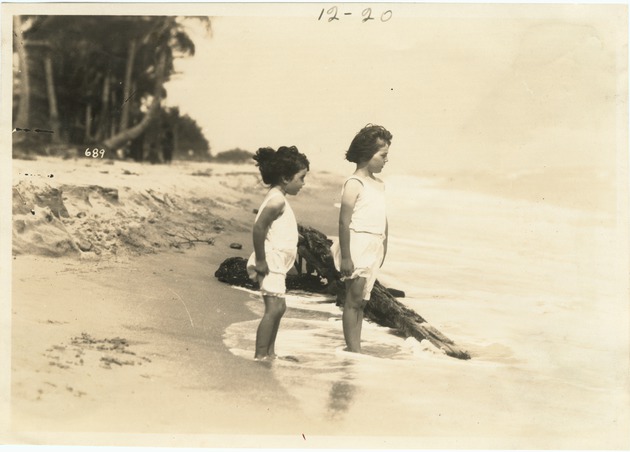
[(365, 143), (286, 162)]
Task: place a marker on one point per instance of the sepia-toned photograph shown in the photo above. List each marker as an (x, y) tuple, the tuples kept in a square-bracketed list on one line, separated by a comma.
[(315, 225)]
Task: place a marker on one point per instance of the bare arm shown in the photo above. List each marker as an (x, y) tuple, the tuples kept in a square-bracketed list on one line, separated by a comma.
[(385, 241), (348, 200), (269, 214)]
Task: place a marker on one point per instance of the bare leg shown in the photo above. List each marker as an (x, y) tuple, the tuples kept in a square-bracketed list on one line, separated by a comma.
[(268, 327), (271, 351), (352, 317)]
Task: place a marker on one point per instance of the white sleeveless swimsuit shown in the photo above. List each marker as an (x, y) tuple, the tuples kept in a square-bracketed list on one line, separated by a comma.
[(280, 248), (367, 234)]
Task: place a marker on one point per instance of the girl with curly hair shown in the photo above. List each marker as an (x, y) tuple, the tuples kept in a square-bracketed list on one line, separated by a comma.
[(275, 238)]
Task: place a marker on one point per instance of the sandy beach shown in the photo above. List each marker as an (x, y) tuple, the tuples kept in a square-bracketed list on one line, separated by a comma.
[(135, 314), (508, 213), (121, 334)]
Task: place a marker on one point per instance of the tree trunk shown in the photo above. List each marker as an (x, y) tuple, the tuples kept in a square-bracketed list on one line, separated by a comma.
[(112, 123), (123, 136), (131, 56), (88, 123), (52, 99), (101, 133), (176, 138), (23, 113), (382, 308)]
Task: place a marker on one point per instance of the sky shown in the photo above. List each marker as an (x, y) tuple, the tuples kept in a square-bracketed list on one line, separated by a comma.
[(461, 87)]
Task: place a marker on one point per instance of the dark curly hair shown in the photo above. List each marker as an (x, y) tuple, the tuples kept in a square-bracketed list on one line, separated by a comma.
[(365, 143), (286, 162)]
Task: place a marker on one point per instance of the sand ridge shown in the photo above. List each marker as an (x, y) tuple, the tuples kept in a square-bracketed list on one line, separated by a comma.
[(143, 340)]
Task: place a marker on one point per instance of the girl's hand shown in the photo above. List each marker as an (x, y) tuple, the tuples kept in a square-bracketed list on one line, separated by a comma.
[(346, 267), (261, 267), (384, 252), (385, 240)]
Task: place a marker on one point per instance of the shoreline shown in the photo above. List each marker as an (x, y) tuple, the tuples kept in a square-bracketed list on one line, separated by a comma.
[(149, 344), (91, 331), (174, 333)]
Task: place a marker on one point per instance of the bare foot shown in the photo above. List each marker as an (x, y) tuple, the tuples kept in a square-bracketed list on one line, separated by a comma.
[(264, 358), (264, 361)]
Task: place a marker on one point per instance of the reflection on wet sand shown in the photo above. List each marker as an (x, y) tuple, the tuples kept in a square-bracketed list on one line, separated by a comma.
[(342, 392)]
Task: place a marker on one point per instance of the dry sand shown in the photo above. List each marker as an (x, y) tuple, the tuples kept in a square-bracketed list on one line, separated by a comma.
[(118, 331), (117, 320)]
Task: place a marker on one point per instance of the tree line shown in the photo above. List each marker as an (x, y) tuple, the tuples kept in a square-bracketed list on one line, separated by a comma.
[(100, 81)]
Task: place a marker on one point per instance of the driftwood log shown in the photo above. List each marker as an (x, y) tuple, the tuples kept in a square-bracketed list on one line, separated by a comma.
[(316, 272)]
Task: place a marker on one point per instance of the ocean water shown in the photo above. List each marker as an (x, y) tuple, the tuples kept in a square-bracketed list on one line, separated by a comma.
[(534, 291)]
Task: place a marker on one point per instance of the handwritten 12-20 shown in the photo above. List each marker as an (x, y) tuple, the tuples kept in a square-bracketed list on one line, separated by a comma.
[(366, 13)]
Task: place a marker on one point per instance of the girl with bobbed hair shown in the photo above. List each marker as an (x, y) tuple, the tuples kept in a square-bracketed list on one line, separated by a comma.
[(275, 238), (366, 143), (362, 244)]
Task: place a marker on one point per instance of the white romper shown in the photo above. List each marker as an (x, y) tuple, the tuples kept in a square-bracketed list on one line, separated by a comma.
[(280, 248), (367, 233)]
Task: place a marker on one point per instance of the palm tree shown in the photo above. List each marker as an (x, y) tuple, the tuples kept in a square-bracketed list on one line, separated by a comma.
[(23, 111), (168, 39), (105, 75)]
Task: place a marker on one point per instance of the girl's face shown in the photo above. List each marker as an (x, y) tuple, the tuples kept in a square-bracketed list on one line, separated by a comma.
[(295, 184), (378, 160)]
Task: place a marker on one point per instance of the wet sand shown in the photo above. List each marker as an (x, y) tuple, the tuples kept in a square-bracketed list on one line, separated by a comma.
[(143, 346), (131, 341)]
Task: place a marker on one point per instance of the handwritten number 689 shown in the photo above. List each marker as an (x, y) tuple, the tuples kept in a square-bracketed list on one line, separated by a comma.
[(95, 153)]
